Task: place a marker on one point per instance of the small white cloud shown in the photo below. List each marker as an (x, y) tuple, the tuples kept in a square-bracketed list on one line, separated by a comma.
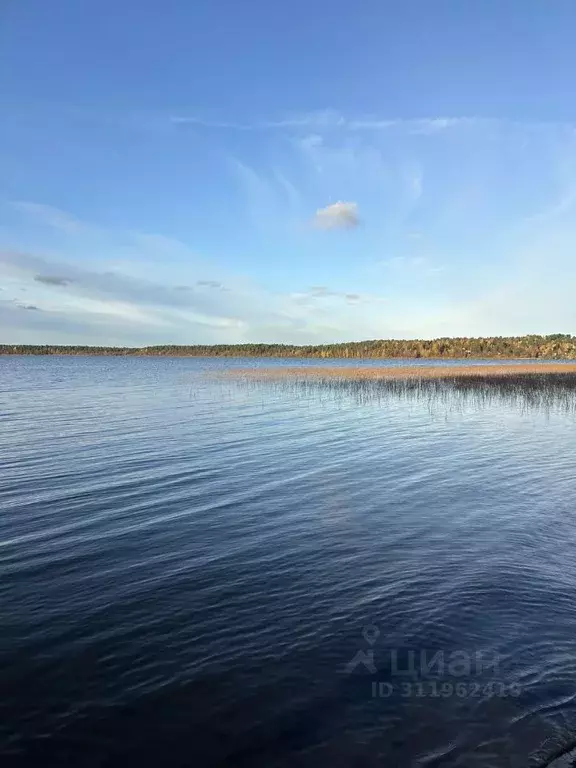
[(338, 215)]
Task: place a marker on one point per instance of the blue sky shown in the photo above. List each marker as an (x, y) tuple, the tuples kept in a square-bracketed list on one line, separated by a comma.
[(304, 172)]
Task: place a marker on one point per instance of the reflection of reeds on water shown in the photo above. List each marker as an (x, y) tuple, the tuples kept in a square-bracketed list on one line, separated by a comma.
[(528, 387)]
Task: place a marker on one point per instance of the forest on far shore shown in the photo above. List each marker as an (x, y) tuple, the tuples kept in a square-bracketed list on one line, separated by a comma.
[(556, 346)]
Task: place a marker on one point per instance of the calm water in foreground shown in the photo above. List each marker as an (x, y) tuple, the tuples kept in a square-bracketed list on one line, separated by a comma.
[(200, 572)]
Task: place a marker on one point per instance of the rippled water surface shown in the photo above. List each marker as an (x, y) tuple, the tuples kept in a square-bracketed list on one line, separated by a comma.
[(197, 571)]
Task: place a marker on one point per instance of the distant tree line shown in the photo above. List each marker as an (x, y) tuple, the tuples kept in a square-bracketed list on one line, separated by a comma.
[(555, 346)]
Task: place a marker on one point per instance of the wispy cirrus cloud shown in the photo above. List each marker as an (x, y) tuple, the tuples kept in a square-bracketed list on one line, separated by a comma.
[(330, 119), (326, 118), (416, 183), (51, 216), (334, 120), (264, 195), (565, 204)]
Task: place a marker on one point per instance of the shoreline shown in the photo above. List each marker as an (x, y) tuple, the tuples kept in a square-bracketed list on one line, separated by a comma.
[(554, 346)]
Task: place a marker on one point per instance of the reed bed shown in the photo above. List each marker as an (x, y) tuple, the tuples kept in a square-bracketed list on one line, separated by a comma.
[(409, 371), (542, 387)]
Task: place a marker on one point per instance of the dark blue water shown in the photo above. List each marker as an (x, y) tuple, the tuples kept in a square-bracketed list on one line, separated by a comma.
[(199, 572)]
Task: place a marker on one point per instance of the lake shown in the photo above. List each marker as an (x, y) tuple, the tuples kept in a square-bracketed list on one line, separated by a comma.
[(196, 570)]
